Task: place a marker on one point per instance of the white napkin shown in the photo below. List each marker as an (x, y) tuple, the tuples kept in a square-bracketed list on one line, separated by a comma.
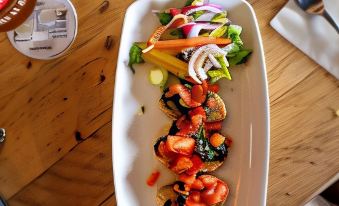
[(311, 34), (319, 201)]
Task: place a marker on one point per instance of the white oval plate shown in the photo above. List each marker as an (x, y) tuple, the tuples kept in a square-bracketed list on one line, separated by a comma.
[(246, 97)]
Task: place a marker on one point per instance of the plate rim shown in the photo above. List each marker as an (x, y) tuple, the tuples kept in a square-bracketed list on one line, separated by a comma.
[(265, 90)]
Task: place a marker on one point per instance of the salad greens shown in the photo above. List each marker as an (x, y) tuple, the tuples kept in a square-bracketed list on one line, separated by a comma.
[(189, 2), (177, 33), (233, 33), (197, 14), (220, 18), (219, 32), (135, 56), (164, 18), (240, 57), (222, 29), (203, 147)]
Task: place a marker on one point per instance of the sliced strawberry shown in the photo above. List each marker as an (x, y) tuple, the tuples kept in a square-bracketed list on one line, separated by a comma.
[(191, 80), (213, 126), (184, 93), (153, 178), (215, 194), (198, 111), (165, 152), (228, 142), (183, 122), (209, 181), (197, 120), (181, 164), (198, 94), (194, 196), (197, 165), (181, 145), (194, 199), (187, 126), (213, 88), (185, 146), (187, 179), (204, 87), (197, 185)]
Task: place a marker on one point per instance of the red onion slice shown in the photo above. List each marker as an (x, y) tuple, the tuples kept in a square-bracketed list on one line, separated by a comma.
[(193, 29), (191, 9)]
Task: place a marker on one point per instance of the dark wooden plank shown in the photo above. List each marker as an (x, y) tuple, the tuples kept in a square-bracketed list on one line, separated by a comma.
[(83, 177)]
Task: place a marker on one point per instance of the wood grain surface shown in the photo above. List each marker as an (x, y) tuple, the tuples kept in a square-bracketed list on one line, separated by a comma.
[(58, 114)]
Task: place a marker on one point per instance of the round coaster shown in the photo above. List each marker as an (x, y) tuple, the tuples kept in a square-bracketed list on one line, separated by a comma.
[(48, 32)]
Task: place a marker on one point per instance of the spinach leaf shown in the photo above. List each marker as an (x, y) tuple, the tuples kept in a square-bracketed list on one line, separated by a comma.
[(135, 56), (203, 147), (178, 33), (164, 18), (189, 2), (206, 151), (240, 57)]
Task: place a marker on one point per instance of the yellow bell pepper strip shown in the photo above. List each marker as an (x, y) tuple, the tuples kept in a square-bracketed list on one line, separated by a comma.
[(166, 61)]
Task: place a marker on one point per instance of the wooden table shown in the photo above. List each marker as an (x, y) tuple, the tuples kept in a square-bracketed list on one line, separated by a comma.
[(58, 116)]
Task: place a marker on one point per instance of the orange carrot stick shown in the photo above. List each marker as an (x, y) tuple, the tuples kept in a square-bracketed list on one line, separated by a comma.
[(191, 42)]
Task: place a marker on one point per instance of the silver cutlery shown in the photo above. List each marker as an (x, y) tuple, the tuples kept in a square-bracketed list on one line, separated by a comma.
[(316, 7), (2, 202)]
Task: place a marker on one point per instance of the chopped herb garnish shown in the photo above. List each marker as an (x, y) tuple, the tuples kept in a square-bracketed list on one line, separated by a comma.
[(206, 151)]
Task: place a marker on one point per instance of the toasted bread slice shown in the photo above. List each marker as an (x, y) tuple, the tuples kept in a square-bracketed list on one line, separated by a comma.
[(171, 113), (167, 193), (214, 106), (164, 194)]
